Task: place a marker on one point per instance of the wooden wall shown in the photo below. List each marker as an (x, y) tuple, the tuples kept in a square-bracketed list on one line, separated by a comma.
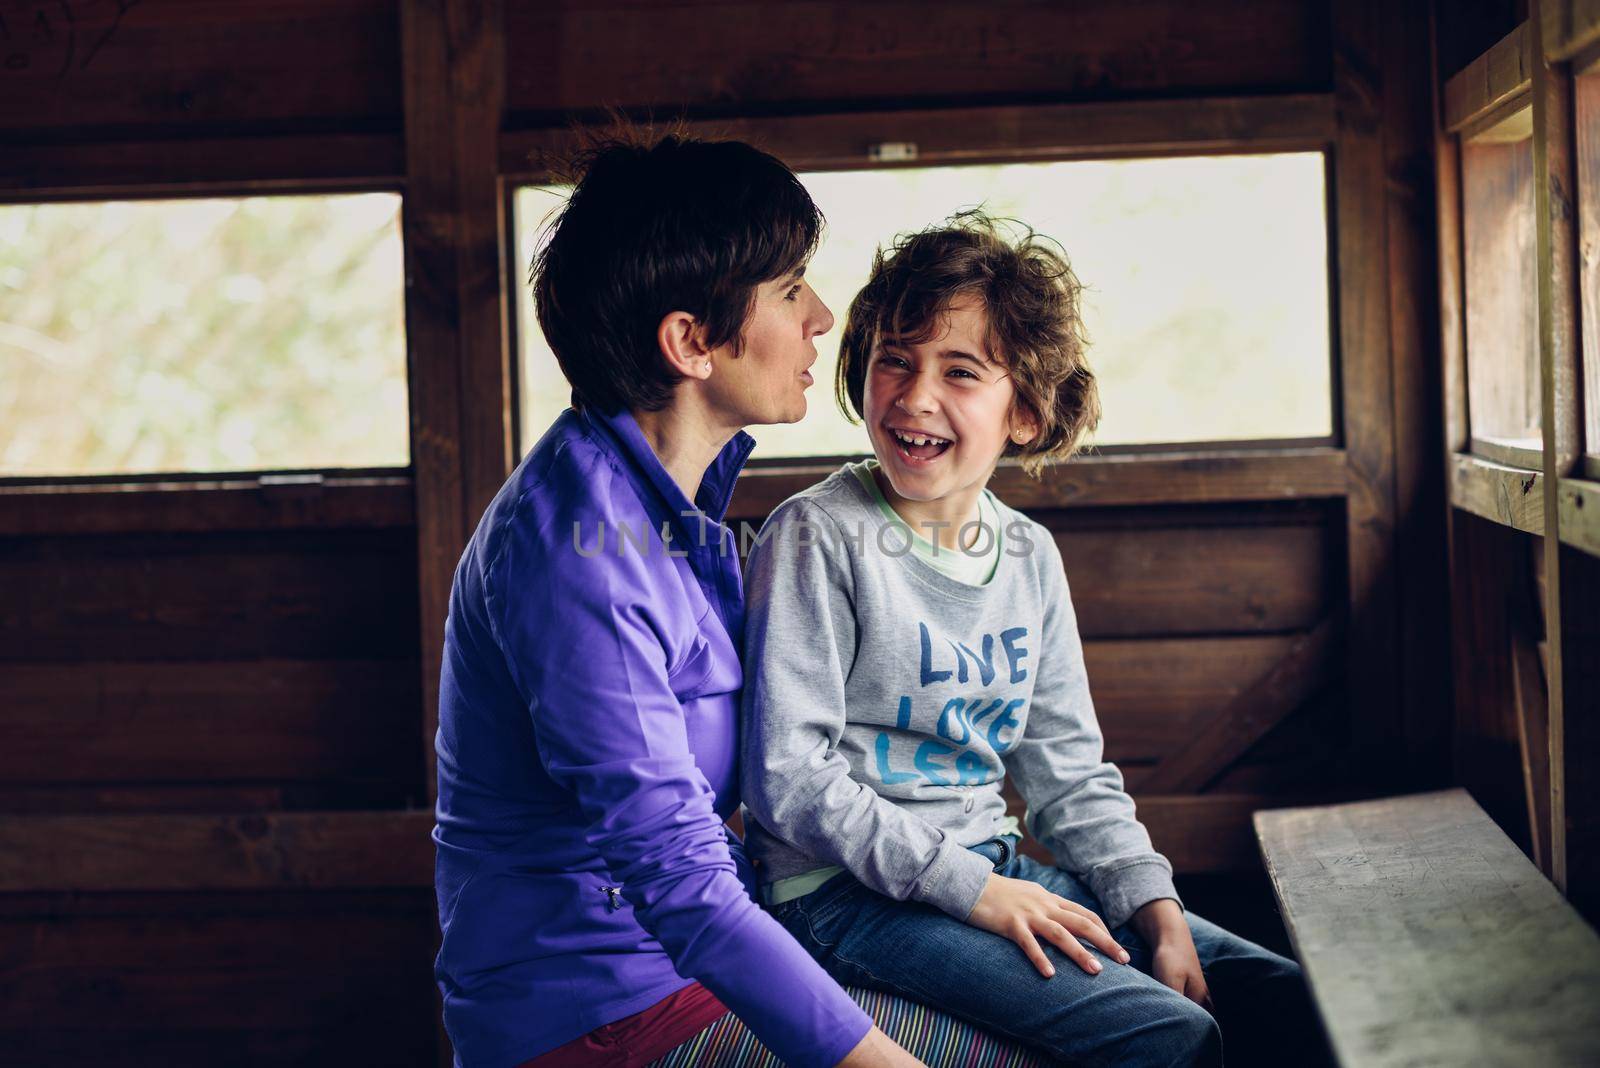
[(213, 830)]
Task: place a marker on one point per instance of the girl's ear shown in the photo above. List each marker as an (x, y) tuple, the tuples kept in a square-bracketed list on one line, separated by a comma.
[(681, 340), (1024, 424)]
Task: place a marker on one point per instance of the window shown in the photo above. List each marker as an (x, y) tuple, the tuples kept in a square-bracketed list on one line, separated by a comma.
[(202, 335), (1206, 301), (1503, 400)]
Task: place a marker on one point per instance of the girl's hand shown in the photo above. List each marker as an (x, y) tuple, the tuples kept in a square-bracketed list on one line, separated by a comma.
[(1178, 966), (1174, 961), (1021, 910)]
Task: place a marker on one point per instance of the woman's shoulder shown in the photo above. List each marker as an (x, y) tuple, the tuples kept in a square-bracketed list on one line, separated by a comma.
[(567, 493)]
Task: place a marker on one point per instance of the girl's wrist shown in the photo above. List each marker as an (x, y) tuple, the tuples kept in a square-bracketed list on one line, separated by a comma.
[(1158, 920)]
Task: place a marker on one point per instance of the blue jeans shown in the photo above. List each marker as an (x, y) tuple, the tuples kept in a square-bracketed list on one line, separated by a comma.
[(1122, 1016)]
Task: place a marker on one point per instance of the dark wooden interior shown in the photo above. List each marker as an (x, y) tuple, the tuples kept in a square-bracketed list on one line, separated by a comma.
[(217, 694)]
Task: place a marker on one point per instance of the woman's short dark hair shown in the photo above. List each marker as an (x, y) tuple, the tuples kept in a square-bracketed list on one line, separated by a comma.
[(1030, 298), (649, 229)]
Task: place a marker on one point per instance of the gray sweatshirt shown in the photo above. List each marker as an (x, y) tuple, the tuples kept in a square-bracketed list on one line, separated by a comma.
[(885, 702)]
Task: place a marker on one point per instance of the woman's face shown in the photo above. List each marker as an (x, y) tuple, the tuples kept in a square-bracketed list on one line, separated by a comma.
[(767, 382)]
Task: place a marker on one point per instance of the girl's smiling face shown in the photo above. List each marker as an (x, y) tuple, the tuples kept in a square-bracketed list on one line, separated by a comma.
[(940, 412)]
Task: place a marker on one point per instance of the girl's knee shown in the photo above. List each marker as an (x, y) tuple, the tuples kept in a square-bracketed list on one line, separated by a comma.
[(1193, 1035)]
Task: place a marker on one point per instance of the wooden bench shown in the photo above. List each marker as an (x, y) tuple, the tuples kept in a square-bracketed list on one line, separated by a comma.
[(1429, 939)]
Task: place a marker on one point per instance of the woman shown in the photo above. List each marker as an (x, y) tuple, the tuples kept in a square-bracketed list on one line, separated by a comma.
[(591, 907)]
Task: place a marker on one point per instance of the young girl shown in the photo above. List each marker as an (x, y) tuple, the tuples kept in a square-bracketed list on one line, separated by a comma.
[(911, 641)]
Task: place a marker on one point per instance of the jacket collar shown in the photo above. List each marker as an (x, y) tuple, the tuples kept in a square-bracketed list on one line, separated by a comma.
[(716, 485)]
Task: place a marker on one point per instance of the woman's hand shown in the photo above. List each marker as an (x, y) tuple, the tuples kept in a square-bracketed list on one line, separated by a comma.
[(1021, 910), (1174, 961), (878, 1050)]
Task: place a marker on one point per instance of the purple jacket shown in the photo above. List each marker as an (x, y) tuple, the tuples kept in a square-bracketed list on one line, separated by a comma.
[(588, 718)]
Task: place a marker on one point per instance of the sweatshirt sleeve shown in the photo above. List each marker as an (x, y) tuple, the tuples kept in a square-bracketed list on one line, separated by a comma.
[(800, 642), (580, 641), (1076, 804)]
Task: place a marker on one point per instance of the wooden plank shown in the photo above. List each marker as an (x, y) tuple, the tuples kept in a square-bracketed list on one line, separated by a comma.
[(103, 67), (304, 595), (731, 57), (1579, 522), (1569, 26), (1172, 581), (1199, 835), (295, 795), (1452, 293), (1529, 457), (1428, 938), (262, 851), (1246, 719), (260, 163), (1152, 696), (1506, 495), (1490, 82), (1533, 732), (210, 722), (1586, 133), (979, 134), (1490, 561), (225, 979), (1420, 505), (1367, 404), (1555, 211), (1556, 241), (1575, 750), (453, 72), (1156, 478), (308, 503)]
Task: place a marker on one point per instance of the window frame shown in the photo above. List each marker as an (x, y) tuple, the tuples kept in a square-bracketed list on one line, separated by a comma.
[(1309, 467), (269, 498)]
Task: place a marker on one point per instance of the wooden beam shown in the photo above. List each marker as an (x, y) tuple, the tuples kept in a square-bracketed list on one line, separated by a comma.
[(1490, 85), (822, 142), (1508, 495), (1199, 835), (1367, 403), (259, 163), (1251, 577), (267, 851), (1533, 735), (731, 56), (1508, 453), (1575, 752), (1586, 138), (453, 72), (1428, 938), (1421, 527), (310, 502), (270, 724), (1569, 27), (1555, 239), (1153, 478), (1245, 720), (1579, 522), (1152, 694)]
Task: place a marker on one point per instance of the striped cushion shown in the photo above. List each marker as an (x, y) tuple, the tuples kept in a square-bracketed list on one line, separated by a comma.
[(939, 1040)]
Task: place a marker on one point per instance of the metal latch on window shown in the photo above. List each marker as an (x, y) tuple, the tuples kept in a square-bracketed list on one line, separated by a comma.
[(892, 151)]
